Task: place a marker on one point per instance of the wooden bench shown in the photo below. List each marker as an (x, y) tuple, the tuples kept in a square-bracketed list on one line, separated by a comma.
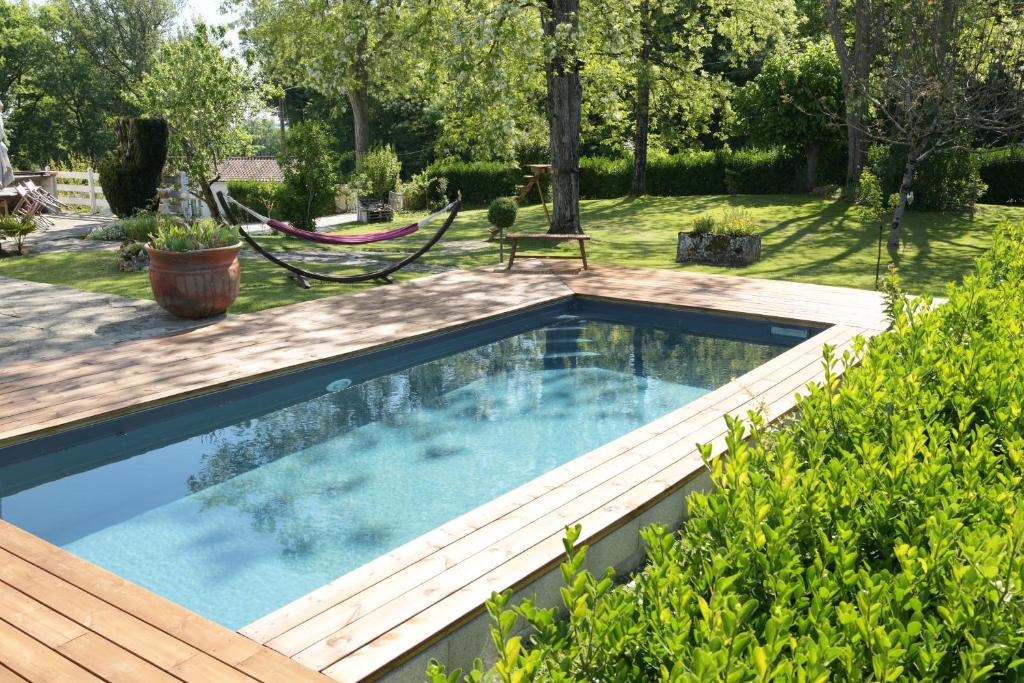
[(516, 236)]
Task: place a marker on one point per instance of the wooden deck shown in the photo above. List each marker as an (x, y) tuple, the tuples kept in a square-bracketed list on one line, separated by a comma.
[(61, 616)]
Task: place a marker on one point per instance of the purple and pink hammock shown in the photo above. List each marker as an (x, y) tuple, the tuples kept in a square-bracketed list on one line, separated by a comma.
[(302, 275)]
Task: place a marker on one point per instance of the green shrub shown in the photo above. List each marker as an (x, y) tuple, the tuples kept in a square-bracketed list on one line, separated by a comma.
[(948, 181), (734, 221), (502, 212), (877, 536), (424, 191), (203, 234), (478, 182), (107, 232), (16, 228), (1003, 172), (378, 172), (258, 195), (310, 175), (704, 223), (130, 175)]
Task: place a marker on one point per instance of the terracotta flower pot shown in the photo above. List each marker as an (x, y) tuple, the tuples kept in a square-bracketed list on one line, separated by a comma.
[(195, 284)]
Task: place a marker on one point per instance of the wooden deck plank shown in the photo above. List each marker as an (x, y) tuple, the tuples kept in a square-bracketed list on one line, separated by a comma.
[(579, 475), (8, 676), (35, 662), (192, 630), (121, 628), (384, 618)]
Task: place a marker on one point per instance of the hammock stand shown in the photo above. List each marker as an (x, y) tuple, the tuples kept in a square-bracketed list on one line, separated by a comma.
[(303, 276)]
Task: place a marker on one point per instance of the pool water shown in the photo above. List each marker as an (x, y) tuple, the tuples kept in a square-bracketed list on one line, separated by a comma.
[(236, 508)]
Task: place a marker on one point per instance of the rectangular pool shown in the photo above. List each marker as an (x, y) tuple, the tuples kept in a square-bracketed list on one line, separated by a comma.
[(240, 501)]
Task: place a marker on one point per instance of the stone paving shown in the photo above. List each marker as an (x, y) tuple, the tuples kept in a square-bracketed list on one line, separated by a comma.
[(40, 321)]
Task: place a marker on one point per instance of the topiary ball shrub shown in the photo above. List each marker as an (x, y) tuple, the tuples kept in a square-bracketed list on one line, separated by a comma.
[(131, 174), (502, 212)]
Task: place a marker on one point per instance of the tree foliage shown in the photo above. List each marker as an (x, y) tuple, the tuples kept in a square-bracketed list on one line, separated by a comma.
[(205, 95), (310, 168), (790, 103)]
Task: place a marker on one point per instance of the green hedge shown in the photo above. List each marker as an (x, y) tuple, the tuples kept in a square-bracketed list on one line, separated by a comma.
[(689, 173), (257, 195), (1003, 171), (878, 536)]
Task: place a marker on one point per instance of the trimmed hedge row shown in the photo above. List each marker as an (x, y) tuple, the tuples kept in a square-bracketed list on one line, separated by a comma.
[(751, 171), (878, 536)]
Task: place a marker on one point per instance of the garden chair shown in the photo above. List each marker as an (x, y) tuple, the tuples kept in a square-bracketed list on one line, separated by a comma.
[(45, 198), (31, 208)]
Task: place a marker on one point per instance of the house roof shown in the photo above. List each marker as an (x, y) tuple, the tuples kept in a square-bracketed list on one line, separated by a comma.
[(250, 168)]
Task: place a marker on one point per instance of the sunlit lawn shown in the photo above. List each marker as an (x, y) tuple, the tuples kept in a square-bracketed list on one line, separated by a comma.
[(807, 240)]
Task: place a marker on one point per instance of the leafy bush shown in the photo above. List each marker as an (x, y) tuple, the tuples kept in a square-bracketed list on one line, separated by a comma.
[(424, 191), (1003, 172), (258, 195), (203, 234), (734, 221), (379, 171), (878, 536), (604, 178), (130, 176), (310, 175), (141, 227), (948, 181), (16, 228), (704, 223), (107, 232), (502, 212)]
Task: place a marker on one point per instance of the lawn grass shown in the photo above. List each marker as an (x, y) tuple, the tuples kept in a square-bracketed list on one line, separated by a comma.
[(804, 239)]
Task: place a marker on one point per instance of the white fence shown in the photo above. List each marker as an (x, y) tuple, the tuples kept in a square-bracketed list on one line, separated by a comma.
[(82, 189)]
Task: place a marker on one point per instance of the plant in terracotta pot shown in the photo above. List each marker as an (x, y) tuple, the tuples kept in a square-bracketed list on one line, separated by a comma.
[(194, 269)]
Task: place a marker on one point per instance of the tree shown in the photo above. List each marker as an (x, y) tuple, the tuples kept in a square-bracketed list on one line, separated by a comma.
[(789, 103), (120, 36), (310, 174), (23, 45), (205, 95), (560, 19), (665, 64), (358, 48), (951, 70), (855, 62)]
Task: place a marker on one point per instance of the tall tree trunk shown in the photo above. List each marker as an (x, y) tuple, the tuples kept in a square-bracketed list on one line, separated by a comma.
[(813, 154), (642, 110), (565, 98), (360, 103), (855, 69), (896, 231)]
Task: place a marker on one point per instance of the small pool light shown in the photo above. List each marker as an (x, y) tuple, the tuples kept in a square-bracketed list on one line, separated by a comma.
[(339, 385), (794, 332)]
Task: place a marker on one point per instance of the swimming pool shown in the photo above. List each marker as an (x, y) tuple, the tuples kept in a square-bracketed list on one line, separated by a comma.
[(238, 502)]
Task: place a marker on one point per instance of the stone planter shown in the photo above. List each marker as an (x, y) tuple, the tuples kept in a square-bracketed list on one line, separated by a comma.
[(195, 284), (718, 250)]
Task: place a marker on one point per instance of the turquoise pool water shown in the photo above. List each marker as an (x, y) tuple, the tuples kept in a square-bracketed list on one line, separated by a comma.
[(236, 508)]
